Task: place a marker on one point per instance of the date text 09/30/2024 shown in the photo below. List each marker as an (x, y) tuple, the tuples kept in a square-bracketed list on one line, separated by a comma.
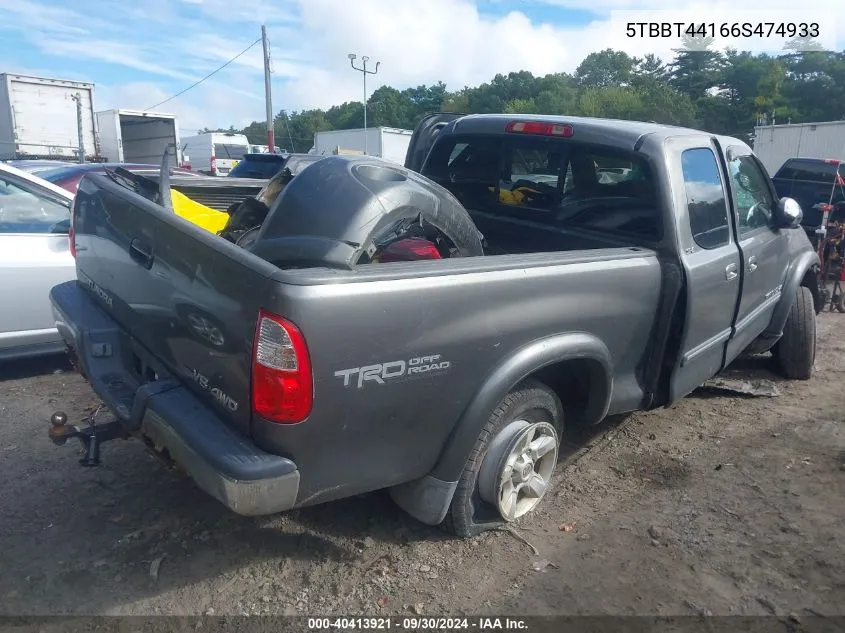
[(417, 624), (722, 29)]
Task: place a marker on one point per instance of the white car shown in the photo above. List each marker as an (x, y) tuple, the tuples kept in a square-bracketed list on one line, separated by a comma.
[(34, 257)]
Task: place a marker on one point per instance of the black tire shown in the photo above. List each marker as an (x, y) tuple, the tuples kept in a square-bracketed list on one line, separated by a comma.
[(468, 514), (796, 350)]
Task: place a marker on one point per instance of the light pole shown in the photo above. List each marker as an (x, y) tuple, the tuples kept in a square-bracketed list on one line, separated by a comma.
[(363, 70)]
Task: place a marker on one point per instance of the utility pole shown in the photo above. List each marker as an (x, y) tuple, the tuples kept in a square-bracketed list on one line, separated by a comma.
[(78, 98), (290, 138), (271, 134), (363, 70)]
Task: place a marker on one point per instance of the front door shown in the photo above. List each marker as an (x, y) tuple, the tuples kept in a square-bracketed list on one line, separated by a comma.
[(711, 261), (763, 247)]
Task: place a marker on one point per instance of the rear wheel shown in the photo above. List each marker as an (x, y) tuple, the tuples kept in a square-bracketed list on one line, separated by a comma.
[(511, 465), (796, 350)]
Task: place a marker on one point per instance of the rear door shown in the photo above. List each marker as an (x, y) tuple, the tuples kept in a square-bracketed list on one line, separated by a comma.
[(711, 260), (424, 136), (763, 247)]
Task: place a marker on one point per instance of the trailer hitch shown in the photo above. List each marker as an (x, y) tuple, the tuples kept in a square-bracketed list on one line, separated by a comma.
[(91, 436)]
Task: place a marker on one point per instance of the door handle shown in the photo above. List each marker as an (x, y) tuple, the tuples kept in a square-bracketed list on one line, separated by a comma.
[(752, 264), (731, 272), (141, 253)]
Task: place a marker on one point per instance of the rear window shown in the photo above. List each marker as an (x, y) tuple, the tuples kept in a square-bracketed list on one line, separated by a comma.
[(226, 151), (816, 170), (249, 168), (559, 182)]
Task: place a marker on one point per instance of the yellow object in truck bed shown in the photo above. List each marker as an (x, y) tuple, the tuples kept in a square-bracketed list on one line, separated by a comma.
[(194, 212)]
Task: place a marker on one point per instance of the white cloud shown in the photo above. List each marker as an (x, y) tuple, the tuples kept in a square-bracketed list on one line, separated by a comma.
[(416, 41), (208, 107), (125, 54), (416, 44)]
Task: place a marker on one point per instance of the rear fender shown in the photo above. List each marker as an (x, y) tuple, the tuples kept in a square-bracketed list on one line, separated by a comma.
[(427, 499)]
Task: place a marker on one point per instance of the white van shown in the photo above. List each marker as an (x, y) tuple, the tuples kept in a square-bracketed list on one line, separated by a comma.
[(265, 149), (215, 153)]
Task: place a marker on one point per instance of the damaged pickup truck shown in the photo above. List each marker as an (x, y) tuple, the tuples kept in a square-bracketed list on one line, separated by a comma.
[(433, 329)]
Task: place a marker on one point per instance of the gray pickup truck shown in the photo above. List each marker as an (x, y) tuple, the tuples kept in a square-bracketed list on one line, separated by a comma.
[(592, 267)]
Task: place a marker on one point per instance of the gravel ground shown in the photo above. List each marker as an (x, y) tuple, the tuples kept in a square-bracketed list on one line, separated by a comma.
[(720, 505)]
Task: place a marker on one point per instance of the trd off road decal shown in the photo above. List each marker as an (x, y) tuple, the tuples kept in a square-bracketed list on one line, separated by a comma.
[(395, 370)]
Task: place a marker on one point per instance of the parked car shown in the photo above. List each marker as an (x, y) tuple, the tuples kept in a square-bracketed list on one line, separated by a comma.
[(36, 166), (266, 166), (34, 257), (255, 165), (68, 176), (818, 185), (336, 364)]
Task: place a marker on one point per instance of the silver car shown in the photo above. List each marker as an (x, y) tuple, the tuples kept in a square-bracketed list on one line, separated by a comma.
[(34, 257)]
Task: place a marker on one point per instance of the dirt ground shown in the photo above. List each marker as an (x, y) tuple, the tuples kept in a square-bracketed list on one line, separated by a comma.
[(721, 505)]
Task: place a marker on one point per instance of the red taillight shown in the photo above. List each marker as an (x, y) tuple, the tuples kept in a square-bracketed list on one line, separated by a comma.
[(831, 161), (282, 387), (537, 127), (825, 208), (71, 233), (213, 164), (409, 250)]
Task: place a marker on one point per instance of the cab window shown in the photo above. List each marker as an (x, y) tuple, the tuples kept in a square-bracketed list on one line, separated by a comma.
[(706, 204), (554, 181), (752, 196)]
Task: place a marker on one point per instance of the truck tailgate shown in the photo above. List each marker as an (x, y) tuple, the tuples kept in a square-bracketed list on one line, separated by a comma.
[(188, 297)]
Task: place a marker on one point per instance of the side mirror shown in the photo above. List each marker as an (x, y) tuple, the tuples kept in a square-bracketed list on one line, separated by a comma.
[(789, 214)]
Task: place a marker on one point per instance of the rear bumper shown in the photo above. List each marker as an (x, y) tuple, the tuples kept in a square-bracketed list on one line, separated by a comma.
[(224, 463)]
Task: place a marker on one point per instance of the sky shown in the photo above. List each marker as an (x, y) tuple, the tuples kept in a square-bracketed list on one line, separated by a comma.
[(142, 52)]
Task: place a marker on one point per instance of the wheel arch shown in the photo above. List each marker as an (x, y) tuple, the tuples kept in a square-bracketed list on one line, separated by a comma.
[(576, 354), (801, 272)]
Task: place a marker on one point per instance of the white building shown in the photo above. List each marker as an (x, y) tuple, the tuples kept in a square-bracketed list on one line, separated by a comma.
[(389, 143)]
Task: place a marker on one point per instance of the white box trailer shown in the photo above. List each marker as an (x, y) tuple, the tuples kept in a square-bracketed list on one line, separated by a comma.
[(774, 144), (389, 143), (38, 118), (135, 136)]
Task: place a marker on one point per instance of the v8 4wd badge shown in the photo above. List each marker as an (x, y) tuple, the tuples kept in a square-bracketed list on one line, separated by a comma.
[(381, 373)]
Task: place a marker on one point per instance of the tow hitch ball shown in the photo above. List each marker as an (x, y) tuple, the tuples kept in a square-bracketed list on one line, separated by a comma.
[(90, 436)]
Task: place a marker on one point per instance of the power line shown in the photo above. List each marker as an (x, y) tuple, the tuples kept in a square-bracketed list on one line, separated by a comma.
[(212, 73)]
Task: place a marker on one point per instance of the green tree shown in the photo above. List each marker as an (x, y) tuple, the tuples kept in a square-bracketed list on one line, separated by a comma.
[(722, 93), (604, 69), (663, 104), (696, 69), (612, 102), (521, 106), (389, 107), (803, 44)]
